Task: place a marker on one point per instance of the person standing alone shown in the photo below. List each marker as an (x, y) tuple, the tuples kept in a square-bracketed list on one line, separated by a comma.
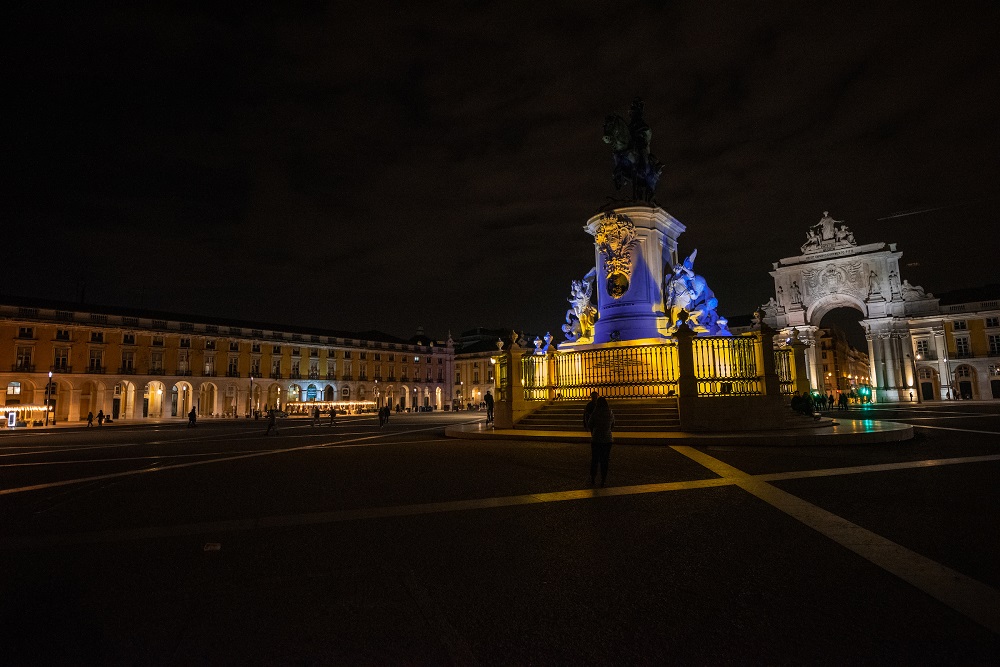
[(599, 419), (488, 399)]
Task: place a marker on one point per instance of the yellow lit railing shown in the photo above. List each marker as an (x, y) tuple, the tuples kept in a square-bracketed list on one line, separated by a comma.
[(726, 366), (783, 366), (723, 366), (645, 371)]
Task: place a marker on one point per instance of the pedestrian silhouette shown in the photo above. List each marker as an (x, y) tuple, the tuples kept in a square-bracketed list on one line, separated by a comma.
[(271, 423), (488, 399), (192, 418), (90, 419), (100, 417), (599, 419)]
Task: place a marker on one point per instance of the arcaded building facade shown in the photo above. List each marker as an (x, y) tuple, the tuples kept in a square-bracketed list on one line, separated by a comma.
[(143, 365)]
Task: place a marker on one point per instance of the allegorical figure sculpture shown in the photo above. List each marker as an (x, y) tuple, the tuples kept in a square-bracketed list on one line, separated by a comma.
[(630, 156), (581, 317), (684, 290), (828, 234)]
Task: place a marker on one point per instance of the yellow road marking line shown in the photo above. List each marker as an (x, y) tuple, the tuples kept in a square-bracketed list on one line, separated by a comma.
[(877, 467), (969, 597)]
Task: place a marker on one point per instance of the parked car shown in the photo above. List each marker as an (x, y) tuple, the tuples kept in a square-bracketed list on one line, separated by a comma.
[(279, 414)]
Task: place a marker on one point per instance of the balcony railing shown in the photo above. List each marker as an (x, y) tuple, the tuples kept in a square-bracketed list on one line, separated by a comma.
[(96, 369), (183, 371), (313, 375), (927, 356), (295, 376), (331, 376), (964, 355), (275, 375), (345, 376), (232, 374), (126, 370), (62, 368), (23, 368), (208, 374), (155, 371)]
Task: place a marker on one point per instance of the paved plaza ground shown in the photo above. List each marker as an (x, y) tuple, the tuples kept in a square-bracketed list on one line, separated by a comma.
[(161, 544)]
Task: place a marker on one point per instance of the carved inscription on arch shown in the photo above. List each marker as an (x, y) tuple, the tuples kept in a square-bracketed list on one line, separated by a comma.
[(835, 279)]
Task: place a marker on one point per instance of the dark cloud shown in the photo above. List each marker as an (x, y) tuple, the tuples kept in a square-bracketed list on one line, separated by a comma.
[(369, 165)]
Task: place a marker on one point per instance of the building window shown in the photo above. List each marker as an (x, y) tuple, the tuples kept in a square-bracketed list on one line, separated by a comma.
[(923, 346), (156, 362), (185, 342), (61, 359), (962, 346), (363, 355), (255, 348), (157, 341), (62, 334), (314, 352), (925, 374), (960, 325), (392, 357), (128, 339), (234, 346), (963, 372), (96, 336), (210, 365), (26, 332), (255, 366), (209, 344), (347, 354), (993, 321), (295, 368), (183, 363), (276, 368), (295, 352), (128, 361), (24, 358), (994, 342), (14, 389), (234, 365), (489, 374), (995, 369), (276, 349), (458, 377), (96, 360), (378, 356)]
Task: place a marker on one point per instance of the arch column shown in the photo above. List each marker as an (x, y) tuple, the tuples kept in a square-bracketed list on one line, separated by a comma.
[(944, 375), (74, 405)]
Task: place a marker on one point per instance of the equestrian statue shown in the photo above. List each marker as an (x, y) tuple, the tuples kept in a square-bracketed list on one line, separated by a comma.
[(630, 156)]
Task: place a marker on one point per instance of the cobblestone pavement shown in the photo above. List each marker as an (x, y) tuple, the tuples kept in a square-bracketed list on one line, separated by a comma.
[(159, 544)]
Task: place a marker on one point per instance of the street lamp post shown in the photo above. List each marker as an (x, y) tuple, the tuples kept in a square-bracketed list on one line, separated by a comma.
[(252, 411), (48, 392)]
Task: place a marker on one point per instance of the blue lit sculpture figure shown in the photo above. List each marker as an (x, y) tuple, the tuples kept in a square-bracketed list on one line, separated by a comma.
[(684, 290), (581, 317), (630, 156)]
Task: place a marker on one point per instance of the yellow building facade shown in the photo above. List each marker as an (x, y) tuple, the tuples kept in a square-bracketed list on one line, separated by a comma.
[(142, 365)]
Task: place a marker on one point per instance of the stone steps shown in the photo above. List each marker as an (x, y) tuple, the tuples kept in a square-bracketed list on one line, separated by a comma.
[(630, 415)]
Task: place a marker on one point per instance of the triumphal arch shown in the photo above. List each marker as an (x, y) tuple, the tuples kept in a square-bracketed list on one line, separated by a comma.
[(834, 271)]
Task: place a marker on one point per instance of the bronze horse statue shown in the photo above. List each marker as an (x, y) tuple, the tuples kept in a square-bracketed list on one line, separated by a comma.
[(630, 157)]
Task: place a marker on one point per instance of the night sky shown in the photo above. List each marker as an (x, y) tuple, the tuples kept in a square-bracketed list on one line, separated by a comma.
[(359, 165)]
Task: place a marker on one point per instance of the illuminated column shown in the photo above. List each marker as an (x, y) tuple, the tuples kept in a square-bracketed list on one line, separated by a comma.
[(891, 392), (873, 359), (944, 375)]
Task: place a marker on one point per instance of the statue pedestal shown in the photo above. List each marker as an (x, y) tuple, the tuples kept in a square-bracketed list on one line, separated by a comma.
[(636, 276)]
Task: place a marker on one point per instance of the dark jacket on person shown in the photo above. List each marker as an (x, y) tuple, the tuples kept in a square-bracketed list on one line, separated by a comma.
[(599, 420)]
